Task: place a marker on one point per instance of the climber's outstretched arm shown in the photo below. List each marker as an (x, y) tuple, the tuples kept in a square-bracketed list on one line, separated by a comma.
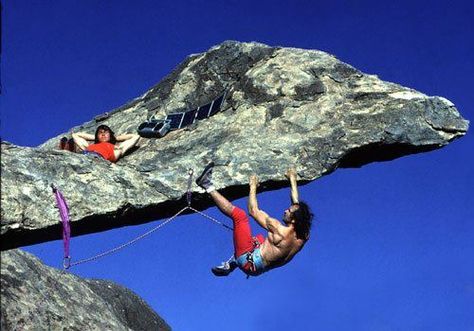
[(263, 219), (291, 175), (259, 215)]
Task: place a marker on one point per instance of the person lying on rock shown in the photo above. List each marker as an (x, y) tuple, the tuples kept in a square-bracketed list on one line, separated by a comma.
[(256, 255), (104, 143)]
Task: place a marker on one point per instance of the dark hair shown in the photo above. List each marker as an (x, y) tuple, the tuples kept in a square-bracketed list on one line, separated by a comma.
[(303, 218), (112, 140)]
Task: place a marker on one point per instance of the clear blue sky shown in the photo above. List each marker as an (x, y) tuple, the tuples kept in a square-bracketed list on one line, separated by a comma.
[(393, 246)]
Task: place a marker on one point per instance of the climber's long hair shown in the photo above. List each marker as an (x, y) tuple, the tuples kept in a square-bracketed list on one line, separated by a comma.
[(303, 219)]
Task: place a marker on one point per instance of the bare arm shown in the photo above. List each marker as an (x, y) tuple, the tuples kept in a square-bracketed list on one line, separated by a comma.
[(291, 175), (81, 138), (259, 215), (262, 218), (127, 141), (86, 136), (124, 137)]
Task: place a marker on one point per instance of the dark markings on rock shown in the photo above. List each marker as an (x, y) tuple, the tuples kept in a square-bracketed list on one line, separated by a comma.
[(311, 91), (367, 96), (275, 111)]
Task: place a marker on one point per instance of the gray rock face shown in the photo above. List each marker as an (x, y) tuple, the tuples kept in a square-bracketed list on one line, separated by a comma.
[(284, 107), (37, 297)]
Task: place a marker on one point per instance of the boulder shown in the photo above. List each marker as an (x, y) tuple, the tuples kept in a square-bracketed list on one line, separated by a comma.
[(284, 107), (38, 297)]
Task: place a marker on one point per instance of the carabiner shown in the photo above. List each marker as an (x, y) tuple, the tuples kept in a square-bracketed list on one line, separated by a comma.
[(67, 262)]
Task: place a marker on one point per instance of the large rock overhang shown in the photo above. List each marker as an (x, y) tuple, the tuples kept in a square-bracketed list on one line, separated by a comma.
[(284, 107)]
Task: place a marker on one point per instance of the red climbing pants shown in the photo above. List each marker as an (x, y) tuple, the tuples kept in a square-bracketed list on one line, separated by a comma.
[(243, 240)]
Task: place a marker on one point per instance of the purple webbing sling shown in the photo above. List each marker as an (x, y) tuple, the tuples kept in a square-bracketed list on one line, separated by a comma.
[(64, 214)]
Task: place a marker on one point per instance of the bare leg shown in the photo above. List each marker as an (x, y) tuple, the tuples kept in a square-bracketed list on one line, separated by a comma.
[(222, 203)]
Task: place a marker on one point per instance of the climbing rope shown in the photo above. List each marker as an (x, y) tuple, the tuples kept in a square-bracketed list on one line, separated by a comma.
[(67, 259), (211, 218), (116, 249)]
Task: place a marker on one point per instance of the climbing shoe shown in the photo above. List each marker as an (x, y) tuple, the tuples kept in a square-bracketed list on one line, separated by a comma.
[(205, 179), (224, 269)]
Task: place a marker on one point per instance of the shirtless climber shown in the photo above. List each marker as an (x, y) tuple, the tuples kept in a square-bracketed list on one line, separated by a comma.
[(256, 255), (104, 143)]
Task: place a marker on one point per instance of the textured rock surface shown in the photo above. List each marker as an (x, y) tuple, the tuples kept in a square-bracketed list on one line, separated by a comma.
[(284, 107), (37, 297)]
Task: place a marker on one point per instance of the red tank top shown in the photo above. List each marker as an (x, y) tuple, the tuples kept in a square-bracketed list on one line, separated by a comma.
[(105, 149)]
